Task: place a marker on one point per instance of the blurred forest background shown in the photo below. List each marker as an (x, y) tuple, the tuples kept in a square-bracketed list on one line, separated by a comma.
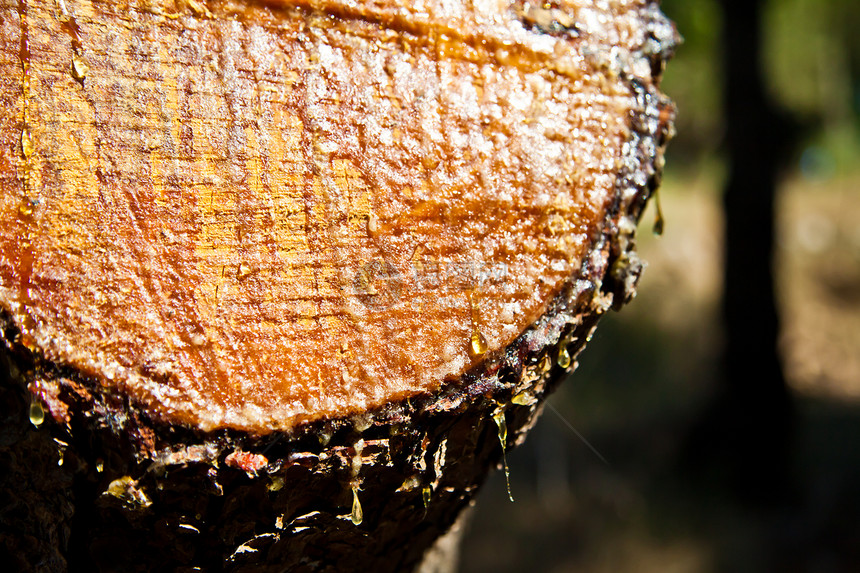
[(718, 460)]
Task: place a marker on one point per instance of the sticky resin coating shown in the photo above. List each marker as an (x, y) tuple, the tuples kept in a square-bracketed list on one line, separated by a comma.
[(253, 215)]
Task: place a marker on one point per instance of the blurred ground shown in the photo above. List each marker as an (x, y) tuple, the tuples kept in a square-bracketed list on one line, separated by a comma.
[(819, 279), (640, 384)]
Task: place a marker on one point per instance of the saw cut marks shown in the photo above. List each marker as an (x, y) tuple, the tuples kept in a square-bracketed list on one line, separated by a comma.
[(252, 215)]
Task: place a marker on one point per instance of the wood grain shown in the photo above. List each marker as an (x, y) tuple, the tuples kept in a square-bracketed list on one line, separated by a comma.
[(253, 215)]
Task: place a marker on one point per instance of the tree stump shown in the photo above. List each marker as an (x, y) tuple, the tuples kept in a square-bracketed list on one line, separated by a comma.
[(280, 281)]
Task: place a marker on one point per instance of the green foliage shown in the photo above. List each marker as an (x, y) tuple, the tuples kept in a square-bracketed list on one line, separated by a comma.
[(811, 63), (693, 78)]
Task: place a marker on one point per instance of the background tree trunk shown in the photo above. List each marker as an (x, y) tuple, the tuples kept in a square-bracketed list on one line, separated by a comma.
[(746, 435)]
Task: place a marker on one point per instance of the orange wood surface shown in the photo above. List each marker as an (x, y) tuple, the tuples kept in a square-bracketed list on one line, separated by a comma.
[(251, 215)]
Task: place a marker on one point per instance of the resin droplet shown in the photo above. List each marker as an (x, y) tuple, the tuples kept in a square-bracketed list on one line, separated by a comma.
[(80, 69), (324, 437), (126, 489), (25, 339), (277, 484), (27, 146), (372, 224), (501, 423), (26, 207), (61, 451), (524, 398), (659, 221), (244, 271), (118, 487), (357, 514), (37, 413), (410, 483), (563, 359), (545, 364), (478, 344)]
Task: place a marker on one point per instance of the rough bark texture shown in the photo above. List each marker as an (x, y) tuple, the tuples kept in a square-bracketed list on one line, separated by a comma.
[(215, 354)]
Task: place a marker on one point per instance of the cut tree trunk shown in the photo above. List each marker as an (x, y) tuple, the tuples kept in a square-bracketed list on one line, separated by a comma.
[(279, 281)]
